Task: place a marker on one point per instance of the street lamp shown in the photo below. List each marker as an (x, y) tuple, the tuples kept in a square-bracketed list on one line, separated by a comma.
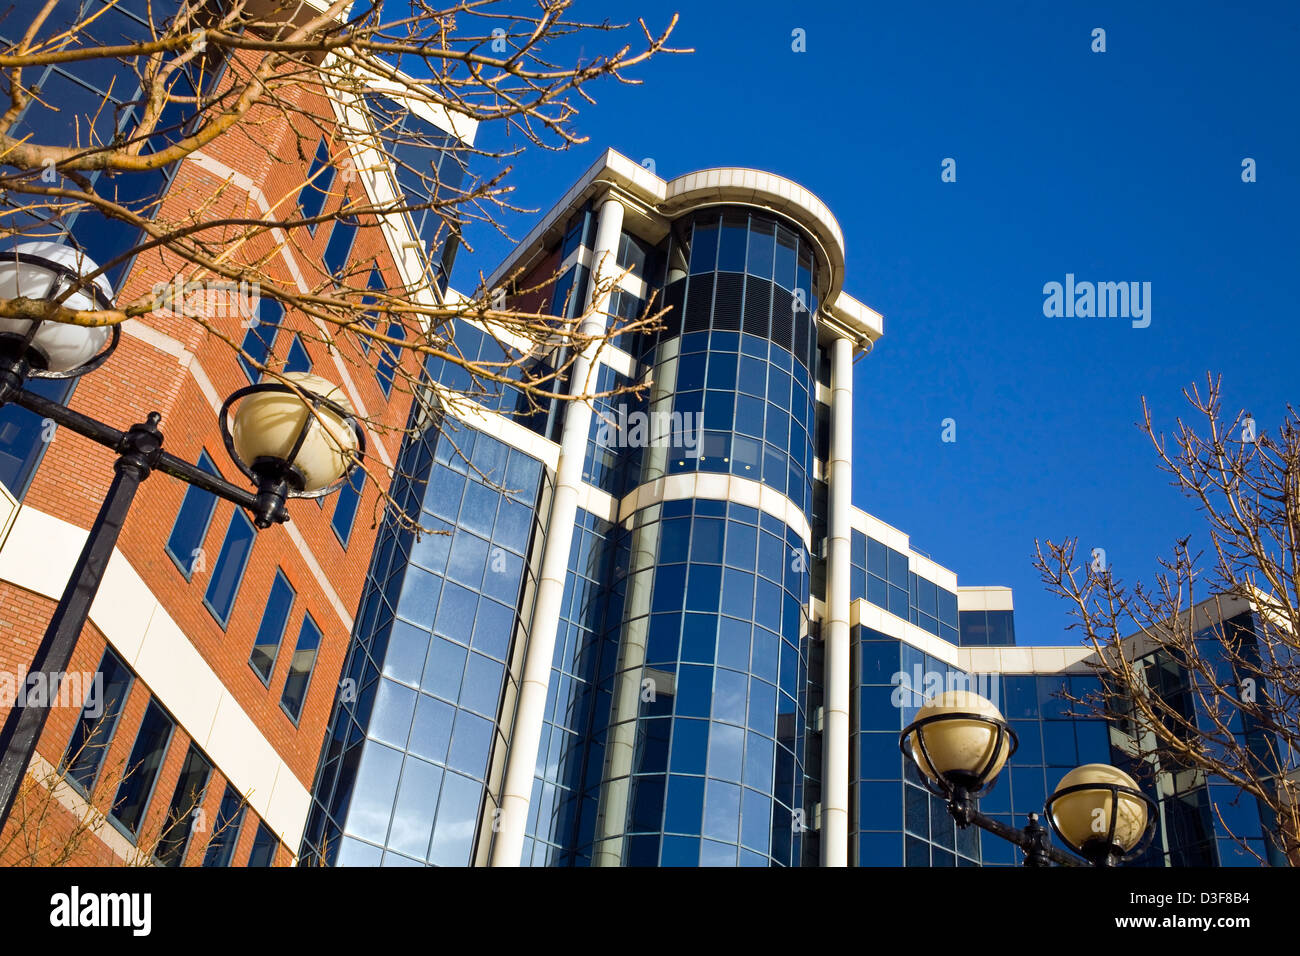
[(297, 438), (960, 742)]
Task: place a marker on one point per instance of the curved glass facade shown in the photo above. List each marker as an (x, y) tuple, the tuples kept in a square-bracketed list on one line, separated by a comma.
[(738, 356), (404, 774), (704, 753)]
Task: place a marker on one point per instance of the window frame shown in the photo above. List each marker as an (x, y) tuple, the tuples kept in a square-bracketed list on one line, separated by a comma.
[(284, 627), (236, 515), (344, 538), (133, 834), (64, 767), (318, 182), (207, 524), (311, 672)]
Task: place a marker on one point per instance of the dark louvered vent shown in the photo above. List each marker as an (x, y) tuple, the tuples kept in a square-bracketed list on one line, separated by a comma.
[(783, 318), (672, 299), (699, 302), (802, 326), (726, 304), (758, 306)]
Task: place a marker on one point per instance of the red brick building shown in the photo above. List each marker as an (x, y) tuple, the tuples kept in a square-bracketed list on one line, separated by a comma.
[(220, 647)]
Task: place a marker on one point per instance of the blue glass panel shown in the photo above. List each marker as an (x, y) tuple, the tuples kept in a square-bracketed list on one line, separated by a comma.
[(300, 668), (266, 644), (453, 834), (185, 543), (345, 508), (228, 572), (689, 746), (726, 752), (684, 805)]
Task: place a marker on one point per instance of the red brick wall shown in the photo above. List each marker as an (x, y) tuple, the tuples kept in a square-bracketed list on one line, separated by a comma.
[(75, 473)]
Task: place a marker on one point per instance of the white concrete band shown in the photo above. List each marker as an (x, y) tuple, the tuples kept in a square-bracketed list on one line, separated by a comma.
[(835, 631), (530, 714)]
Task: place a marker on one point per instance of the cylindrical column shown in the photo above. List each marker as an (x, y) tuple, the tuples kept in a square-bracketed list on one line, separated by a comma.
[(835, 709), (531, 709)]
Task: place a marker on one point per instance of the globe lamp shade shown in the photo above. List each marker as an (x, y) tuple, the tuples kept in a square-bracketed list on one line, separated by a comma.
[(30, 270), (1084, 816), (961, 749), (267, 425)]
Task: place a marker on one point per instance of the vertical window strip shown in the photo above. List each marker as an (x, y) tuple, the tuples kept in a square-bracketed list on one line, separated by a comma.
[(228, 572), (94, 728), (185, 544), (266, 645), (141, 772), (300, 668)]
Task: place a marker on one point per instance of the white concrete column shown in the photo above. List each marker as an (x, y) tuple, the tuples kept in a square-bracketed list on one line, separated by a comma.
[(531, 708), (835, 629)]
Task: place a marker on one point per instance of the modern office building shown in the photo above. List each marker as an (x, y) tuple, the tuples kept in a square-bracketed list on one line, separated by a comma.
[(652, 629), (219, 647)]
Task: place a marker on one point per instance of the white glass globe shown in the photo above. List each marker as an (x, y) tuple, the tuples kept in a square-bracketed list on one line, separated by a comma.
[(266, 425), (960, 745), (1085, 816), (61, 346)]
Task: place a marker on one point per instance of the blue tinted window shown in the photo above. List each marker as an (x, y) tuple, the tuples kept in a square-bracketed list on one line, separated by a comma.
[(340, 245), (225, 832), (24, 436), (345, 509), (321, 176), (266, 645), (390, 355), (185, 543), (300, 668), (142, 767), (228, 572), (298, 360), (259, 340), (94, 728), (186, 797), (264, 847)]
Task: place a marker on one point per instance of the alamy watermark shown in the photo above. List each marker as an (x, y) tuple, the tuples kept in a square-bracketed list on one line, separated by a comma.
[(79, 689), (1102, 300), (930, 684), (678, 430), (210, 299)]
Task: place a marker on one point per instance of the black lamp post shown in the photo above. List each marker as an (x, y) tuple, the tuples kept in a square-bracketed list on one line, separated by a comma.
[(960, 742), (292, 441)]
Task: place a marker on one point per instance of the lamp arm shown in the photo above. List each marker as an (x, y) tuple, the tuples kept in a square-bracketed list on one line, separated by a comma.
[(110, 437), (1033, 839)]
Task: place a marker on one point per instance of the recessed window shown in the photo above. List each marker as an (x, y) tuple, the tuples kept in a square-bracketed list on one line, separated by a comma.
[(228, 572), (386, 367), (320, 177), (225, 832), (259, 340), (264, 846), (24, 435), (371, 319), (345, 509), (185, 544), (298, 360), (94, 728), (266, 646), (300, 668), (141, 771), (186, 798), (339, 246)]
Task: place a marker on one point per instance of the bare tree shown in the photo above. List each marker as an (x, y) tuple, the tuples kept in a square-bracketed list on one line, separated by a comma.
[(216, 75), (1200, 667), (54, 823)]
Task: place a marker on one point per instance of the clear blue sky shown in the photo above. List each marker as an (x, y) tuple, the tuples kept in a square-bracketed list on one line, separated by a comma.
[(1119, 166)]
